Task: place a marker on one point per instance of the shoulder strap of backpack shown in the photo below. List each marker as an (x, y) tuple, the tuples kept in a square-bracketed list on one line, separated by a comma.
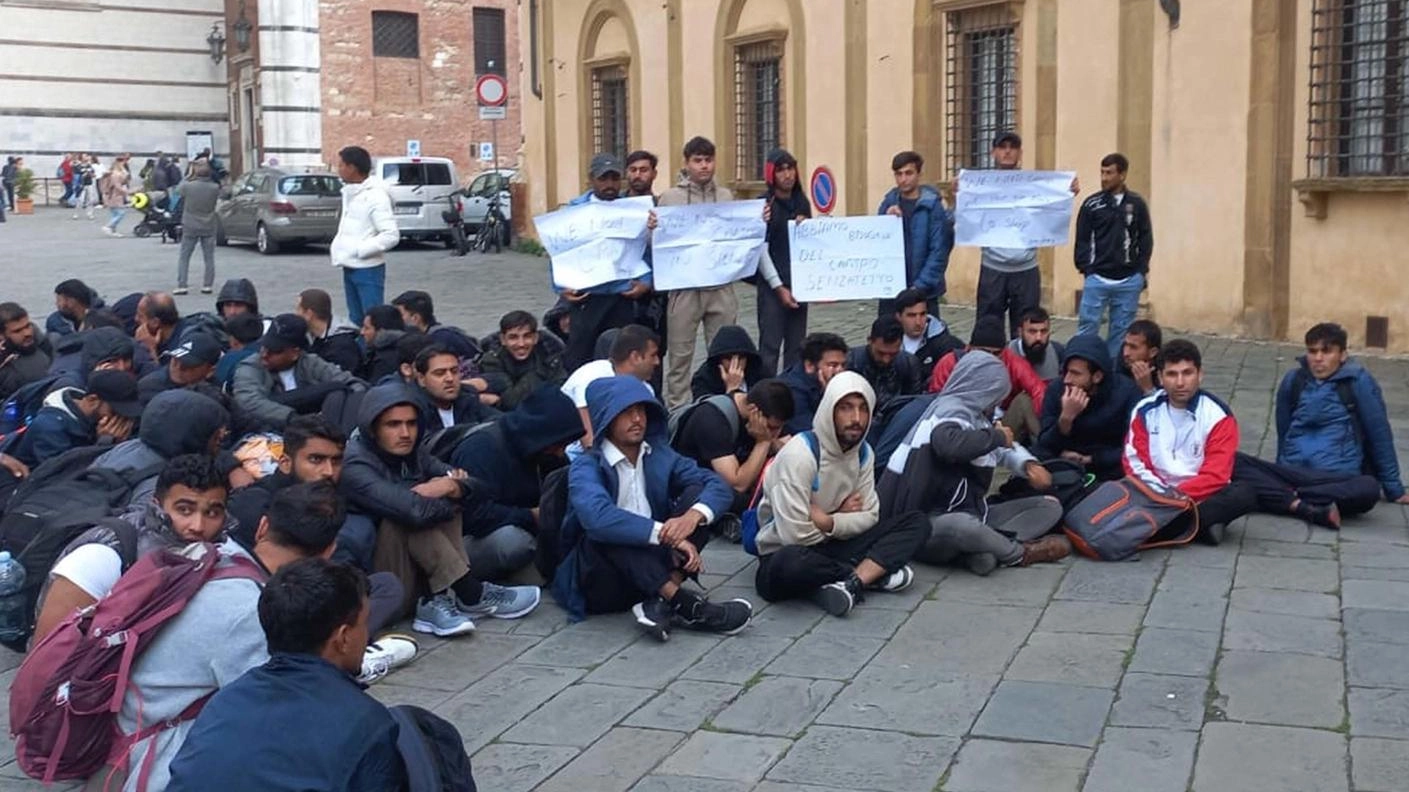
[(1298, 386), (816, 448), (1345, 391), (726, 405)]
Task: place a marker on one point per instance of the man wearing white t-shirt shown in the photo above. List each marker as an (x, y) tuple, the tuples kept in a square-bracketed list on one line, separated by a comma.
[(633, 352), (284, 379), (189, 507)]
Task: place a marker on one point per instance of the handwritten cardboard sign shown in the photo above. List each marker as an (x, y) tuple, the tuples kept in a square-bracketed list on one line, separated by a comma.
[(596, 242), (704, 245), (1013, 208)]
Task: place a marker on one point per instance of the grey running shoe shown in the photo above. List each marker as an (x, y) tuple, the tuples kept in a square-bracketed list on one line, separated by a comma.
[(439, 615), (504, 602)]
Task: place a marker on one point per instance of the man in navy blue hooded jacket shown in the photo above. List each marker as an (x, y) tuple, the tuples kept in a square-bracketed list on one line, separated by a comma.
[(1335, 447), (929, 231), (636, 520)]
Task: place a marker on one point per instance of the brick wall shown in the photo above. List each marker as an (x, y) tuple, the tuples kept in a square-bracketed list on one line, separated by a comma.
[(380, 103)]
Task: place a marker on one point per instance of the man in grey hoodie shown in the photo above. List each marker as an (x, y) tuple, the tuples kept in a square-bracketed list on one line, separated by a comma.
[(945, 467)]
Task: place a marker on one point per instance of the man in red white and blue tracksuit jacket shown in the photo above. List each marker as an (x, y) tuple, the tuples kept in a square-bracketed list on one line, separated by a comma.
[(1189, 450)]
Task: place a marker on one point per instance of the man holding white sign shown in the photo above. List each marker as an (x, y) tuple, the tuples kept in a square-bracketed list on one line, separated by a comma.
[(598, 246), (698, 258), (1009, 281)]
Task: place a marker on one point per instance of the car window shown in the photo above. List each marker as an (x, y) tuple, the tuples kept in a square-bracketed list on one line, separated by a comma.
[(415, 174), (320, 185), (256, 182), (486, 184)]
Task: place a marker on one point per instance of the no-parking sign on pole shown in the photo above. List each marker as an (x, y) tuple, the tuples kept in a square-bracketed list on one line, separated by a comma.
[(824, 189)]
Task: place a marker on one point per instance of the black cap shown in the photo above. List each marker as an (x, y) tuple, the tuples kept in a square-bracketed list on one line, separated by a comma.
[(199, 349), (118, 389), (603, 164), (286, 331), (1008, 137)]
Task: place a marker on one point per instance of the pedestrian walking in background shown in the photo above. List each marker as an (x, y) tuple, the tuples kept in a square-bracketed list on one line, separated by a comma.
[(8, 176), (198, 227), (114, 187)]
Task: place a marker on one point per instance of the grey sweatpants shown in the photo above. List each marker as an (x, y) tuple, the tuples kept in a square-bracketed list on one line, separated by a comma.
[(954, 535)]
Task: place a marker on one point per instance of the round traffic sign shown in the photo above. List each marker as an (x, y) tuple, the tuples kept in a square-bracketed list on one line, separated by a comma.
[(824, 189), (491, 90)]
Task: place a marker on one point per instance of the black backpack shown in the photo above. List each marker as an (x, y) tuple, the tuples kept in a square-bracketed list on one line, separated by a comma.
[(433, 752), (552, 510), (64, 497), (22, 406)]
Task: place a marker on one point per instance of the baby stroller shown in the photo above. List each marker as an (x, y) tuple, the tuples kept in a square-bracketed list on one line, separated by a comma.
[(156, 218)]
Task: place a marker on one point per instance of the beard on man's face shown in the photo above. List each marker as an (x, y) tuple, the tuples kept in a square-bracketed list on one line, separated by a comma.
[(1036, 353)]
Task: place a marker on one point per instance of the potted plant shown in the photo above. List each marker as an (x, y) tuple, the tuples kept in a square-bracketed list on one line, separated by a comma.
[(24, 192)]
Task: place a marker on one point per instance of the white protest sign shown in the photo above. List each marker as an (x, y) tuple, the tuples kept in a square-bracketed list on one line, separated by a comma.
[(596, 242), (1013, 208), (703, 245), (847, 258)]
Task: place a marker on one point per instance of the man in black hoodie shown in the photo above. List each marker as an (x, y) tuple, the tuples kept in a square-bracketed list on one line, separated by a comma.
[(782, 320), (518, 360), (733, 364), (1113, 245), (1086, 412), (237, 296), (415, 499), (508, 461)]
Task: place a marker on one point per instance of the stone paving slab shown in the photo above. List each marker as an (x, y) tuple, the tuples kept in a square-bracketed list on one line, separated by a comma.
[(1283, 649)]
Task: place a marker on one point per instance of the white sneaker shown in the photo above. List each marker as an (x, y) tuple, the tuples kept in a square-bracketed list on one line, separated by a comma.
[(899, 580), (108, 230), (388, 652)]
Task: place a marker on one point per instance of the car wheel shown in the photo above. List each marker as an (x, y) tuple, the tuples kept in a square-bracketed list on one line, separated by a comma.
[(505, 234), (263, 242), (220, 238)]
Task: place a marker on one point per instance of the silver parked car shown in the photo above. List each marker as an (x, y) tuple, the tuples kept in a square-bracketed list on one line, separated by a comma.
[(270, 208), (478, 194)]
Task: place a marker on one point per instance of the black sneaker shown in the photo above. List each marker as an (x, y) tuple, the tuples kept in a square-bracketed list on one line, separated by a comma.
[(653, 617), (840, 597), (724, 618)]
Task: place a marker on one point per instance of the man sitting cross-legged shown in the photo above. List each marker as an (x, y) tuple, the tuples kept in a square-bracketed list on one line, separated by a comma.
[(820, 532), (1335, 448), (945, 466), (636, 520)]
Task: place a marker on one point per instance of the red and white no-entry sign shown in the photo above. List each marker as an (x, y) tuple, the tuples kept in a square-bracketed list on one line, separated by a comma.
[(491, 90)]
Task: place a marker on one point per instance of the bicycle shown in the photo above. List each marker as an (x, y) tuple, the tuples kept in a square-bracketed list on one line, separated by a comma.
[(491, 231)]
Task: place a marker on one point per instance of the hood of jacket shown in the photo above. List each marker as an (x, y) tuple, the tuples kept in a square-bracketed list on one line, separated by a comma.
[(929, 197), (841, 386), (698, 193), (59, 400), (978, 384), (1091, 349), (934, 326), (547, 417), (240, 290), (1349, 370), (378, 400), (181, 421), (732, 340), (387, 339), (105, 343), (611, 396), (552, 318)]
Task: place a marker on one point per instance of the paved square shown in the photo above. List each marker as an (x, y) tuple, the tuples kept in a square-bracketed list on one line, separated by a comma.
[(1272, 663)]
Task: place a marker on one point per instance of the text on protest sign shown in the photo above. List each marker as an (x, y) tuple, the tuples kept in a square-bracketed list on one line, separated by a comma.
[(847, 258), (1013, 208), (596, 242), (703, 245)]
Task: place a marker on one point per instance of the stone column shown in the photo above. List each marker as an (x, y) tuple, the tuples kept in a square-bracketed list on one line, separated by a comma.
[(290, 92)]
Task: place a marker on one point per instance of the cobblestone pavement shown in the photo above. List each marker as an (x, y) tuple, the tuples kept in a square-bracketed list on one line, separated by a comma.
[(1273, 662)]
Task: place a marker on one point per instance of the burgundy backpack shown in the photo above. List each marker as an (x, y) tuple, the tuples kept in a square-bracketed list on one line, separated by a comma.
[(68, 691)]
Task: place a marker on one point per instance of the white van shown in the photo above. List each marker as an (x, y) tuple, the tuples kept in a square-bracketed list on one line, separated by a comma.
[(418, 187)]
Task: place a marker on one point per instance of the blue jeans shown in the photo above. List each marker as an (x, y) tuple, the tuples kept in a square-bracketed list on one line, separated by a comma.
[(115, 214), (365, 288), (1123, 298)]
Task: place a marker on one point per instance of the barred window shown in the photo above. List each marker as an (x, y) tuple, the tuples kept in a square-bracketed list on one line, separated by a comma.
[(489, 42), (1359, 106), (981, 96), (395, 35), (758, 106), (609, 120)]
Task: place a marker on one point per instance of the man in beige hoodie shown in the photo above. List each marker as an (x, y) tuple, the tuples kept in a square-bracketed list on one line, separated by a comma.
[(820, 534), (714, 306)]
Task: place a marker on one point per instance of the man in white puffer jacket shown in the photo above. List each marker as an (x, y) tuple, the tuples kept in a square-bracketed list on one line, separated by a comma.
[(366, 231)]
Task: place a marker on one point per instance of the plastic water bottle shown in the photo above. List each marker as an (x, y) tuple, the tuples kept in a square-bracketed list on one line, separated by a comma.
[(14, 620)]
